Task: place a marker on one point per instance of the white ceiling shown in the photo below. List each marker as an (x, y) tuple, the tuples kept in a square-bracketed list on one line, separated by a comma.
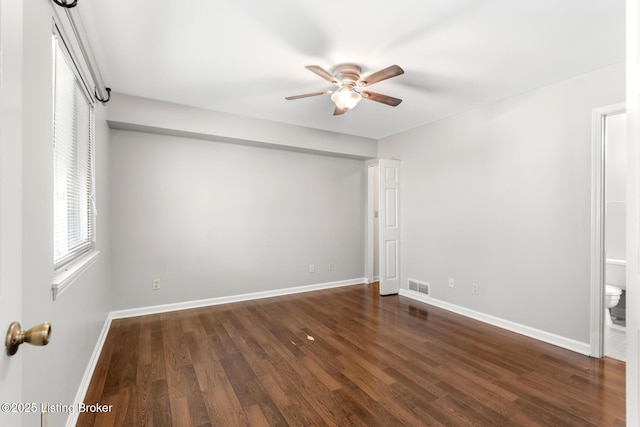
[(244, 56)]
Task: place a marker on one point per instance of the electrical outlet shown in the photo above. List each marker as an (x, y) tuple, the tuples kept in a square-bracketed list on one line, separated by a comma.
[(156, 284), (476, 289), (331, 267), (451, 283), (312, 268)]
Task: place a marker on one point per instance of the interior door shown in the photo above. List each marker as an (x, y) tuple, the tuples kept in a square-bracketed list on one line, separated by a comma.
[(10, 200), (389, 226)]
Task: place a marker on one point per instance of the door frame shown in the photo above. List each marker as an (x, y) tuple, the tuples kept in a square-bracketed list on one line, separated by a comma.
[(598, 256), (369, 212)]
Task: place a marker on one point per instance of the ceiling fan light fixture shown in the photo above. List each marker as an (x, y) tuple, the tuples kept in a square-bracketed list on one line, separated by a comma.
[(346, 98), (349, 92)]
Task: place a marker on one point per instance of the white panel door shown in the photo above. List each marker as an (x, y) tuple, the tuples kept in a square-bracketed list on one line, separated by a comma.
[(10, 201), (389, 226)]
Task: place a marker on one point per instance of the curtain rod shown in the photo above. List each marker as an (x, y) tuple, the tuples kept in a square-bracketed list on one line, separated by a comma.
[(101, 92)]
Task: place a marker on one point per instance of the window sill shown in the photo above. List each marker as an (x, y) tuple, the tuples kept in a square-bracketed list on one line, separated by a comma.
[(65, 277)]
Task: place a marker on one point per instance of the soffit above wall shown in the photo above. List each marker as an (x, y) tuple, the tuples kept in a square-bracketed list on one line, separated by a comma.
[(146, 115)]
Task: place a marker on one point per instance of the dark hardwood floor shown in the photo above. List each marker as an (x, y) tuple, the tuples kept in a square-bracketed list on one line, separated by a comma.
[(344, 356)]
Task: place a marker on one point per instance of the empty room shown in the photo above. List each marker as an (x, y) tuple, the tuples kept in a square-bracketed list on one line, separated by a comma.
[(340, 213)]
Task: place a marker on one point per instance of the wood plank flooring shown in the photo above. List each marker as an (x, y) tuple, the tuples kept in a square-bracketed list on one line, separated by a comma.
[(339, 357)]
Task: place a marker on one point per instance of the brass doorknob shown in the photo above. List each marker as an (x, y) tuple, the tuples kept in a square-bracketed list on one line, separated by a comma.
[(38, 335)]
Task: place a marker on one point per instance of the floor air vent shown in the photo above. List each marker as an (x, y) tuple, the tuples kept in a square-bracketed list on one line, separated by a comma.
[(417, 286)]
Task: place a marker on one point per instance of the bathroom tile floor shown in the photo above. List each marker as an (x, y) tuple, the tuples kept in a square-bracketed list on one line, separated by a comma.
[(615, 342)]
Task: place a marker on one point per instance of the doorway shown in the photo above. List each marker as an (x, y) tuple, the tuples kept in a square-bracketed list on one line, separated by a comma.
[(608, 222), (372, 248), (382, 234)]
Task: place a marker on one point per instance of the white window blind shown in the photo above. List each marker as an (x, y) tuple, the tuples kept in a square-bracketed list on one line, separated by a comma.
[(73, 161)]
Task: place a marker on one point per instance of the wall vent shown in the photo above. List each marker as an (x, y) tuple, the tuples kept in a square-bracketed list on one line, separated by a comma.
[(418, 286)]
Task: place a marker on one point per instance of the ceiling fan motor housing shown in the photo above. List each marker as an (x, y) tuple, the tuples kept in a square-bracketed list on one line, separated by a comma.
[(348, 74)]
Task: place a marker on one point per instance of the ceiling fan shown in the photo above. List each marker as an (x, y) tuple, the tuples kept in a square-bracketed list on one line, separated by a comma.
[(350, 86)]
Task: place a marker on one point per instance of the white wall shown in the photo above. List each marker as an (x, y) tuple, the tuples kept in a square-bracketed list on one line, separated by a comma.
[(616, 188), (212, 219), (615, 202), (53, 373), (500, 196)]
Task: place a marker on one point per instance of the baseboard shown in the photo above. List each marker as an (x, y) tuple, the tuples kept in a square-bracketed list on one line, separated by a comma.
[(143, 311), (72, 419), (540, 335)]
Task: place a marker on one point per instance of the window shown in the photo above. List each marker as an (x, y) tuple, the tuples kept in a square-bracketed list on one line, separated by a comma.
[(74, 213)]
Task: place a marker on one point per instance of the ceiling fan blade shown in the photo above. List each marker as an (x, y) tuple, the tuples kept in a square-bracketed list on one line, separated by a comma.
[(339, 111), (378, 76), (378, 97), (306, 95), (323, 73)]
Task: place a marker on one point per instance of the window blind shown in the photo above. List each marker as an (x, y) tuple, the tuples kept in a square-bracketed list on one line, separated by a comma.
[(73, 161)]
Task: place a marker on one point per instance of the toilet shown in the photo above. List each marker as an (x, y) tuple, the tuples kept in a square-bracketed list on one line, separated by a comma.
[(611, 298)]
